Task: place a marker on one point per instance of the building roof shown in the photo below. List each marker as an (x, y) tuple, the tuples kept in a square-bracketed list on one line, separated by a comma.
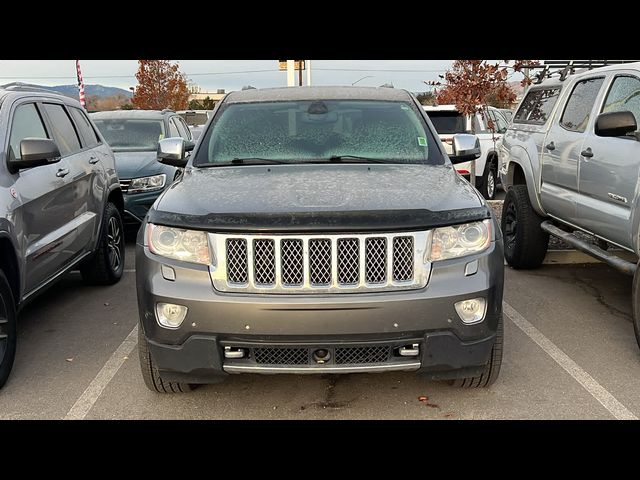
[(157, 114)]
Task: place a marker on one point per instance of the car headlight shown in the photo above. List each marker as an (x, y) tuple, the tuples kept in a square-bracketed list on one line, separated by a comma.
[(147, 184), (186, 245), (459, 240)]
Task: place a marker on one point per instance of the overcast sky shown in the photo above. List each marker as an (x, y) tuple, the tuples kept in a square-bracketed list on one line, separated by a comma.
[(230, 74)]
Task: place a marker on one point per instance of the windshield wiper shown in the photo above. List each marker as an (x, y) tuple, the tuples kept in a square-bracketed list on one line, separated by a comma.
[(356, 158), (244, 161)]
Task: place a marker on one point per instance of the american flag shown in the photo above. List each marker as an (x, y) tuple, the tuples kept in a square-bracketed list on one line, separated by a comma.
[(80, 84)]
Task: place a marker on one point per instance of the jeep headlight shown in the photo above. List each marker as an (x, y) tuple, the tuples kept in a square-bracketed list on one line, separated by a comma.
[(147, 184), (186, 245), (459, 240)]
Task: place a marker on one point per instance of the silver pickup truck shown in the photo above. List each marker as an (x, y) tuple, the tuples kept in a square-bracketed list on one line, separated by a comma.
[(570, 162)]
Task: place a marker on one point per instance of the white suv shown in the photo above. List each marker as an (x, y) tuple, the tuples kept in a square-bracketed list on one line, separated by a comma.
[(448, 121)]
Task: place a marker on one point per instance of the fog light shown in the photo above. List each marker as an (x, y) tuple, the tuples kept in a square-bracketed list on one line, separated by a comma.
[(170, 315), (471, 311)]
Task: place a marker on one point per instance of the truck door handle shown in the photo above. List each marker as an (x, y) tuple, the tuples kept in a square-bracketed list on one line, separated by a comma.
[(93, 160), (63, 172), (550, 146), (587, 153)]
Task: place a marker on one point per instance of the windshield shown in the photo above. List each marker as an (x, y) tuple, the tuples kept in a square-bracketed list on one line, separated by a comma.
[(447, 121), (125, 134), (307, 131)]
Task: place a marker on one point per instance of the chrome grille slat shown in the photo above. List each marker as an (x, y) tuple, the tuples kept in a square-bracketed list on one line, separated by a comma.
[(264, 262), (291, 261), (348, 261), (402, 259), (125, 183), (319, 263)]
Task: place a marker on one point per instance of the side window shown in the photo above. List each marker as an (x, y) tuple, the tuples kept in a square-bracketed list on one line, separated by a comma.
[(26, 123), (537, 106), (183, 131), (624, 94), (63, 130), (173, 129), (478, 127), (501, 123), (89, 137), (578, 109), (187, 133)]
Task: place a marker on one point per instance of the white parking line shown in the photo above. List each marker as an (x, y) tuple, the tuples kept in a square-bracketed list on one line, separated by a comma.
[(90, 396), (608, 401)]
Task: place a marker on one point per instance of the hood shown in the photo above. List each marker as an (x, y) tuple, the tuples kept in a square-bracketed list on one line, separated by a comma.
[(139, 164), (319, 197)]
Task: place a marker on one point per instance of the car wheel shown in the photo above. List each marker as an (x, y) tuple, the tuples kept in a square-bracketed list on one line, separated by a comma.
[(106, 265), (150, 373), (491, 370), (8, 334), (488, 182), (635, 299), (525, 243)]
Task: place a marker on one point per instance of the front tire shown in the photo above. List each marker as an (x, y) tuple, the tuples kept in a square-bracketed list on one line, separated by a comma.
[(491, 370), (106, 265), (8, 333), (150, 373), (525, 243), (488, 182)]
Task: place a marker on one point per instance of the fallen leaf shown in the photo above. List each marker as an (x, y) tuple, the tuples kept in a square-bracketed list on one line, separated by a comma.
[(70, 359), (126, 358), (423, 398), (106, 304)]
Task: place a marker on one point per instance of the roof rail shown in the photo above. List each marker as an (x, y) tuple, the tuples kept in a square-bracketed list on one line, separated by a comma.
[(23, 87), (248, 87), (569, 67)]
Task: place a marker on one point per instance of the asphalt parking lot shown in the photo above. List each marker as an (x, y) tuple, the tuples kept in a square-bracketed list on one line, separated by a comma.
[(570, 353)]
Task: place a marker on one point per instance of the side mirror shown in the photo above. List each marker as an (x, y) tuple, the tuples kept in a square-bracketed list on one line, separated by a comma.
[(172, 151), (465, 148), (35, 152), (615, 124), (189, 145)]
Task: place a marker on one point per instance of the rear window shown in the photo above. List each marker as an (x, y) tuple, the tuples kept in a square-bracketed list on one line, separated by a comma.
[(537, 106), (447, 122)]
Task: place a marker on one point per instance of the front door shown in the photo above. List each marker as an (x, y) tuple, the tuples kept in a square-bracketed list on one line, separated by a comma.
[(562, 149), (609, 169)]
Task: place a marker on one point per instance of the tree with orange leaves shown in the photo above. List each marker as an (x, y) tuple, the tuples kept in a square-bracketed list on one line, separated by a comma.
[(471, 85), (161, 85)]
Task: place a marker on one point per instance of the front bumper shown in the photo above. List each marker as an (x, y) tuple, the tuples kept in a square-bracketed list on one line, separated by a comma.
[(194, 352), (137, 205)]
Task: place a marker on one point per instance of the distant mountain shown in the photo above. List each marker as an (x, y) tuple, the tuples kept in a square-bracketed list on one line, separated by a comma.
[(72, 90)]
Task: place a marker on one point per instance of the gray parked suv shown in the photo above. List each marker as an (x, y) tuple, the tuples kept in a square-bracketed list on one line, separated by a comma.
[(319, 230), (571, 161), (60, 203)]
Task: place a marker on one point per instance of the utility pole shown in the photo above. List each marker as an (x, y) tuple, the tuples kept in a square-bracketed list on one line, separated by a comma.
[(300, 72), (291, 73)]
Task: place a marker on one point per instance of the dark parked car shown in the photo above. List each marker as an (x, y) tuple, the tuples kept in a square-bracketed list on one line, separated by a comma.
[(133, 135), (319, 230), (60, 203)]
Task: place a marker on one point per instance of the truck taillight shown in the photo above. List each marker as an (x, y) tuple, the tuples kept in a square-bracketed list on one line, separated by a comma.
[(463, 172)]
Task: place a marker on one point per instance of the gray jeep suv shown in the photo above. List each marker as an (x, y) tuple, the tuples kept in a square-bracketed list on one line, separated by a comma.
[(319, 230), (60, 203)]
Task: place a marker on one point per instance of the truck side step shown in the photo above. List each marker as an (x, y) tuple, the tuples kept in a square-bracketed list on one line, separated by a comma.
[(607, 257)]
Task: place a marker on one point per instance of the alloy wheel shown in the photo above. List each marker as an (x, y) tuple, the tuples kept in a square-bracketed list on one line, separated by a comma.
[(491, 184), (114, 242)]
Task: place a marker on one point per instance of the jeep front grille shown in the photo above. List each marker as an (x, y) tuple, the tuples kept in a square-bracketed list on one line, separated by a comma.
[(337, 263)]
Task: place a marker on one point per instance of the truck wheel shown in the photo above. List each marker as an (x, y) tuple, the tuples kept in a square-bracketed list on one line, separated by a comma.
[(488, 182), (106, 265), (8, 335), (150, 373), (635, 299), (491, 370), (525, 243)]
